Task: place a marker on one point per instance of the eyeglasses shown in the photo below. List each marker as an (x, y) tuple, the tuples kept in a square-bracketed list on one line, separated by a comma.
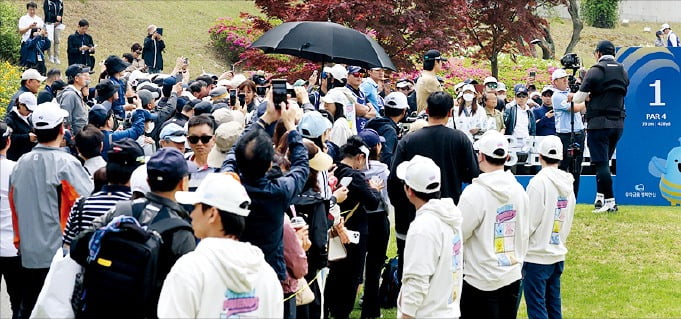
[(193, 139)]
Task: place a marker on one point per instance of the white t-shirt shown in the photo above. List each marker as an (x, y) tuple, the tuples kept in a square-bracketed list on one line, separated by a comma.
[(26, 21), (7, 248), (522, 124)]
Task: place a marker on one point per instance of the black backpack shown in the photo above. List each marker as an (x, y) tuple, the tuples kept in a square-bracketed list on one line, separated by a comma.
[(390, 285), (125, 278)]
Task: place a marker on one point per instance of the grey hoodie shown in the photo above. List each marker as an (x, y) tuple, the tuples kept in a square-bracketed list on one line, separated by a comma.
[(71, 100), (381, 171)]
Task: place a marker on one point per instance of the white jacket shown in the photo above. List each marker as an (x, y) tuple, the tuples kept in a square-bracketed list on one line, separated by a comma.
[(552, 207), (495, 230), (433, 258), (221, 278)]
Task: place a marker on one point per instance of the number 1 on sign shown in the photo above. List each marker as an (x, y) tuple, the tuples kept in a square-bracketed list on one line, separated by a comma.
[(658, 93)]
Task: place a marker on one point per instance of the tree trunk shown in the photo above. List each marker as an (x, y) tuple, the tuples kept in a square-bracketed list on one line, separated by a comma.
[(494, 63), (547, 46), (577, 25)]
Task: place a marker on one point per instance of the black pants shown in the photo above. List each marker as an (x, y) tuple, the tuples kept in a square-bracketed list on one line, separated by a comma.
[(400, 258), (290, 306), (602, 144), (10, 270), (32, 281), (500, 303), (572, 165), (344, 277), (379, 235)]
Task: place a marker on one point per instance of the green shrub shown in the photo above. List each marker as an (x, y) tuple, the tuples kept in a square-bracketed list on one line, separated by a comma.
[(10, 41), (10, 80), (600, 13)]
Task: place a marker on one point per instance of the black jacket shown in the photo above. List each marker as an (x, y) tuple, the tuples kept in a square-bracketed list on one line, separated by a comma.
[(385, 127), (450, 149), (21, 143), (312, 207), (75, 56), (153, 53), (52, 9), (360, 193)]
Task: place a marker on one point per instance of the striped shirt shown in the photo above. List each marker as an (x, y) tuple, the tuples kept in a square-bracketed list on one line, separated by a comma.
[(94, 206)]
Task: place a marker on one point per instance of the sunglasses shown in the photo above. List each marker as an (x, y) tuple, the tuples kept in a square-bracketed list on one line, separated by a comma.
[(492, 85), (521, 95), (357, 74), (193, 139)]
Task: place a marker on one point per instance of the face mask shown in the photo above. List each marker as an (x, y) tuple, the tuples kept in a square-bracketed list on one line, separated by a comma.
[(149, 127), (468, 97), (503, 97)]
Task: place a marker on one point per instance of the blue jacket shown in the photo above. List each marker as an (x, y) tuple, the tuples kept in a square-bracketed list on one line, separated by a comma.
[(545, 125), (34, 47), (135, 131), (385, 127), (117, 105), (270, 197), (510, 118)]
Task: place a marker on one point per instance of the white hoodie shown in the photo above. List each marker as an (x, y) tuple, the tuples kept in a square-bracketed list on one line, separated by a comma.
[(552, 207), (221, 278), (433, 258), (495, 230)]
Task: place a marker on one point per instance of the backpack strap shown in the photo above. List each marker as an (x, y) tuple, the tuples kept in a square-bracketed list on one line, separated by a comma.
[(170, 224)]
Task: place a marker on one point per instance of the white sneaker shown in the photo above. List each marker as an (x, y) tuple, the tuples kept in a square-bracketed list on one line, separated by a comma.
[(609, 206), (51, 59), (56, 60), (598, 203)]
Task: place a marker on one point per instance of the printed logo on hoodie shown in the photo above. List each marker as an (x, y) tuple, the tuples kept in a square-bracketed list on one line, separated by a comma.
[(504, 235), (558, 220), (238, 303), (457, 247)]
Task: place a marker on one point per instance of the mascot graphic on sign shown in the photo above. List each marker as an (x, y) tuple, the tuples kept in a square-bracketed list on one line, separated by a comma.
[(669, 172)]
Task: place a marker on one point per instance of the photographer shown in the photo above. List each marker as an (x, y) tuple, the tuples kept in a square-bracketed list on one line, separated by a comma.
[(603, 89), (153, 48), (565, 114)]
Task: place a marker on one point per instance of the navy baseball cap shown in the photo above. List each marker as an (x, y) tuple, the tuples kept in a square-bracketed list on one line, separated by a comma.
[(354, 68), (98, 115), (75, 69), (126, 152), (371, 137), (432, 55), (519, 88), (168, 164)]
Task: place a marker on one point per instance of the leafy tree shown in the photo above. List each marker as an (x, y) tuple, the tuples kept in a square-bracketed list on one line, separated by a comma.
[(404, 28), (504, 26)]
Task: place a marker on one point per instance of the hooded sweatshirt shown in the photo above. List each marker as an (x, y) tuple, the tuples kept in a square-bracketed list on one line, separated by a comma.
[(552, 207), (220, 279), (433, 260), (495, 230)]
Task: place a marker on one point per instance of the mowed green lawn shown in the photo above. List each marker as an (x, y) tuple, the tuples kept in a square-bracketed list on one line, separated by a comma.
[(619, 265)]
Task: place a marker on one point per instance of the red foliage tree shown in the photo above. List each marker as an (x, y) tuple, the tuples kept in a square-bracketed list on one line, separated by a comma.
[(404, 28), (504, 26)]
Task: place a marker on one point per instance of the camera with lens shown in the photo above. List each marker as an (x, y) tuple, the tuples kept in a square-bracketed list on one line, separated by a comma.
[(573, 150), (572, 62)]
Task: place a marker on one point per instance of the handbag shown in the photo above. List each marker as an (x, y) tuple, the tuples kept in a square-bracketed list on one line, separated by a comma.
[(54, 300), (305, 294), (337, 249)]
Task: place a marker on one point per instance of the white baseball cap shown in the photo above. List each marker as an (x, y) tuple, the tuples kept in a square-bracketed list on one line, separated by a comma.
[(334, 96), (396, 100), (548, 88), (28, 99), (221, 191), (666, 26), (458, 86), (48, 115), (558, 74), (551, 147), (339, 72), (138, 180), (490, 79), (420, 174), (468, 87), (501, 86), (490, 142), (32, 74)]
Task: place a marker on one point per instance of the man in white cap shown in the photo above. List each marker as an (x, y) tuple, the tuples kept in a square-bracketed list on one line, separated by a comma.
[(433, 256), (222, 277), (491, 84), (19, 120), (58, 179), (395, 108), (552, 207), (30, 82), (566, 113), (495, 234), (672, 39)]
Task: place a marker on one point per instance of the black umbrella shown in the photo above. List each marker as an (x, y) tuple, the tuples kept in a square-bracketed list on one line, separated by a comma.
[(324, 42)]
